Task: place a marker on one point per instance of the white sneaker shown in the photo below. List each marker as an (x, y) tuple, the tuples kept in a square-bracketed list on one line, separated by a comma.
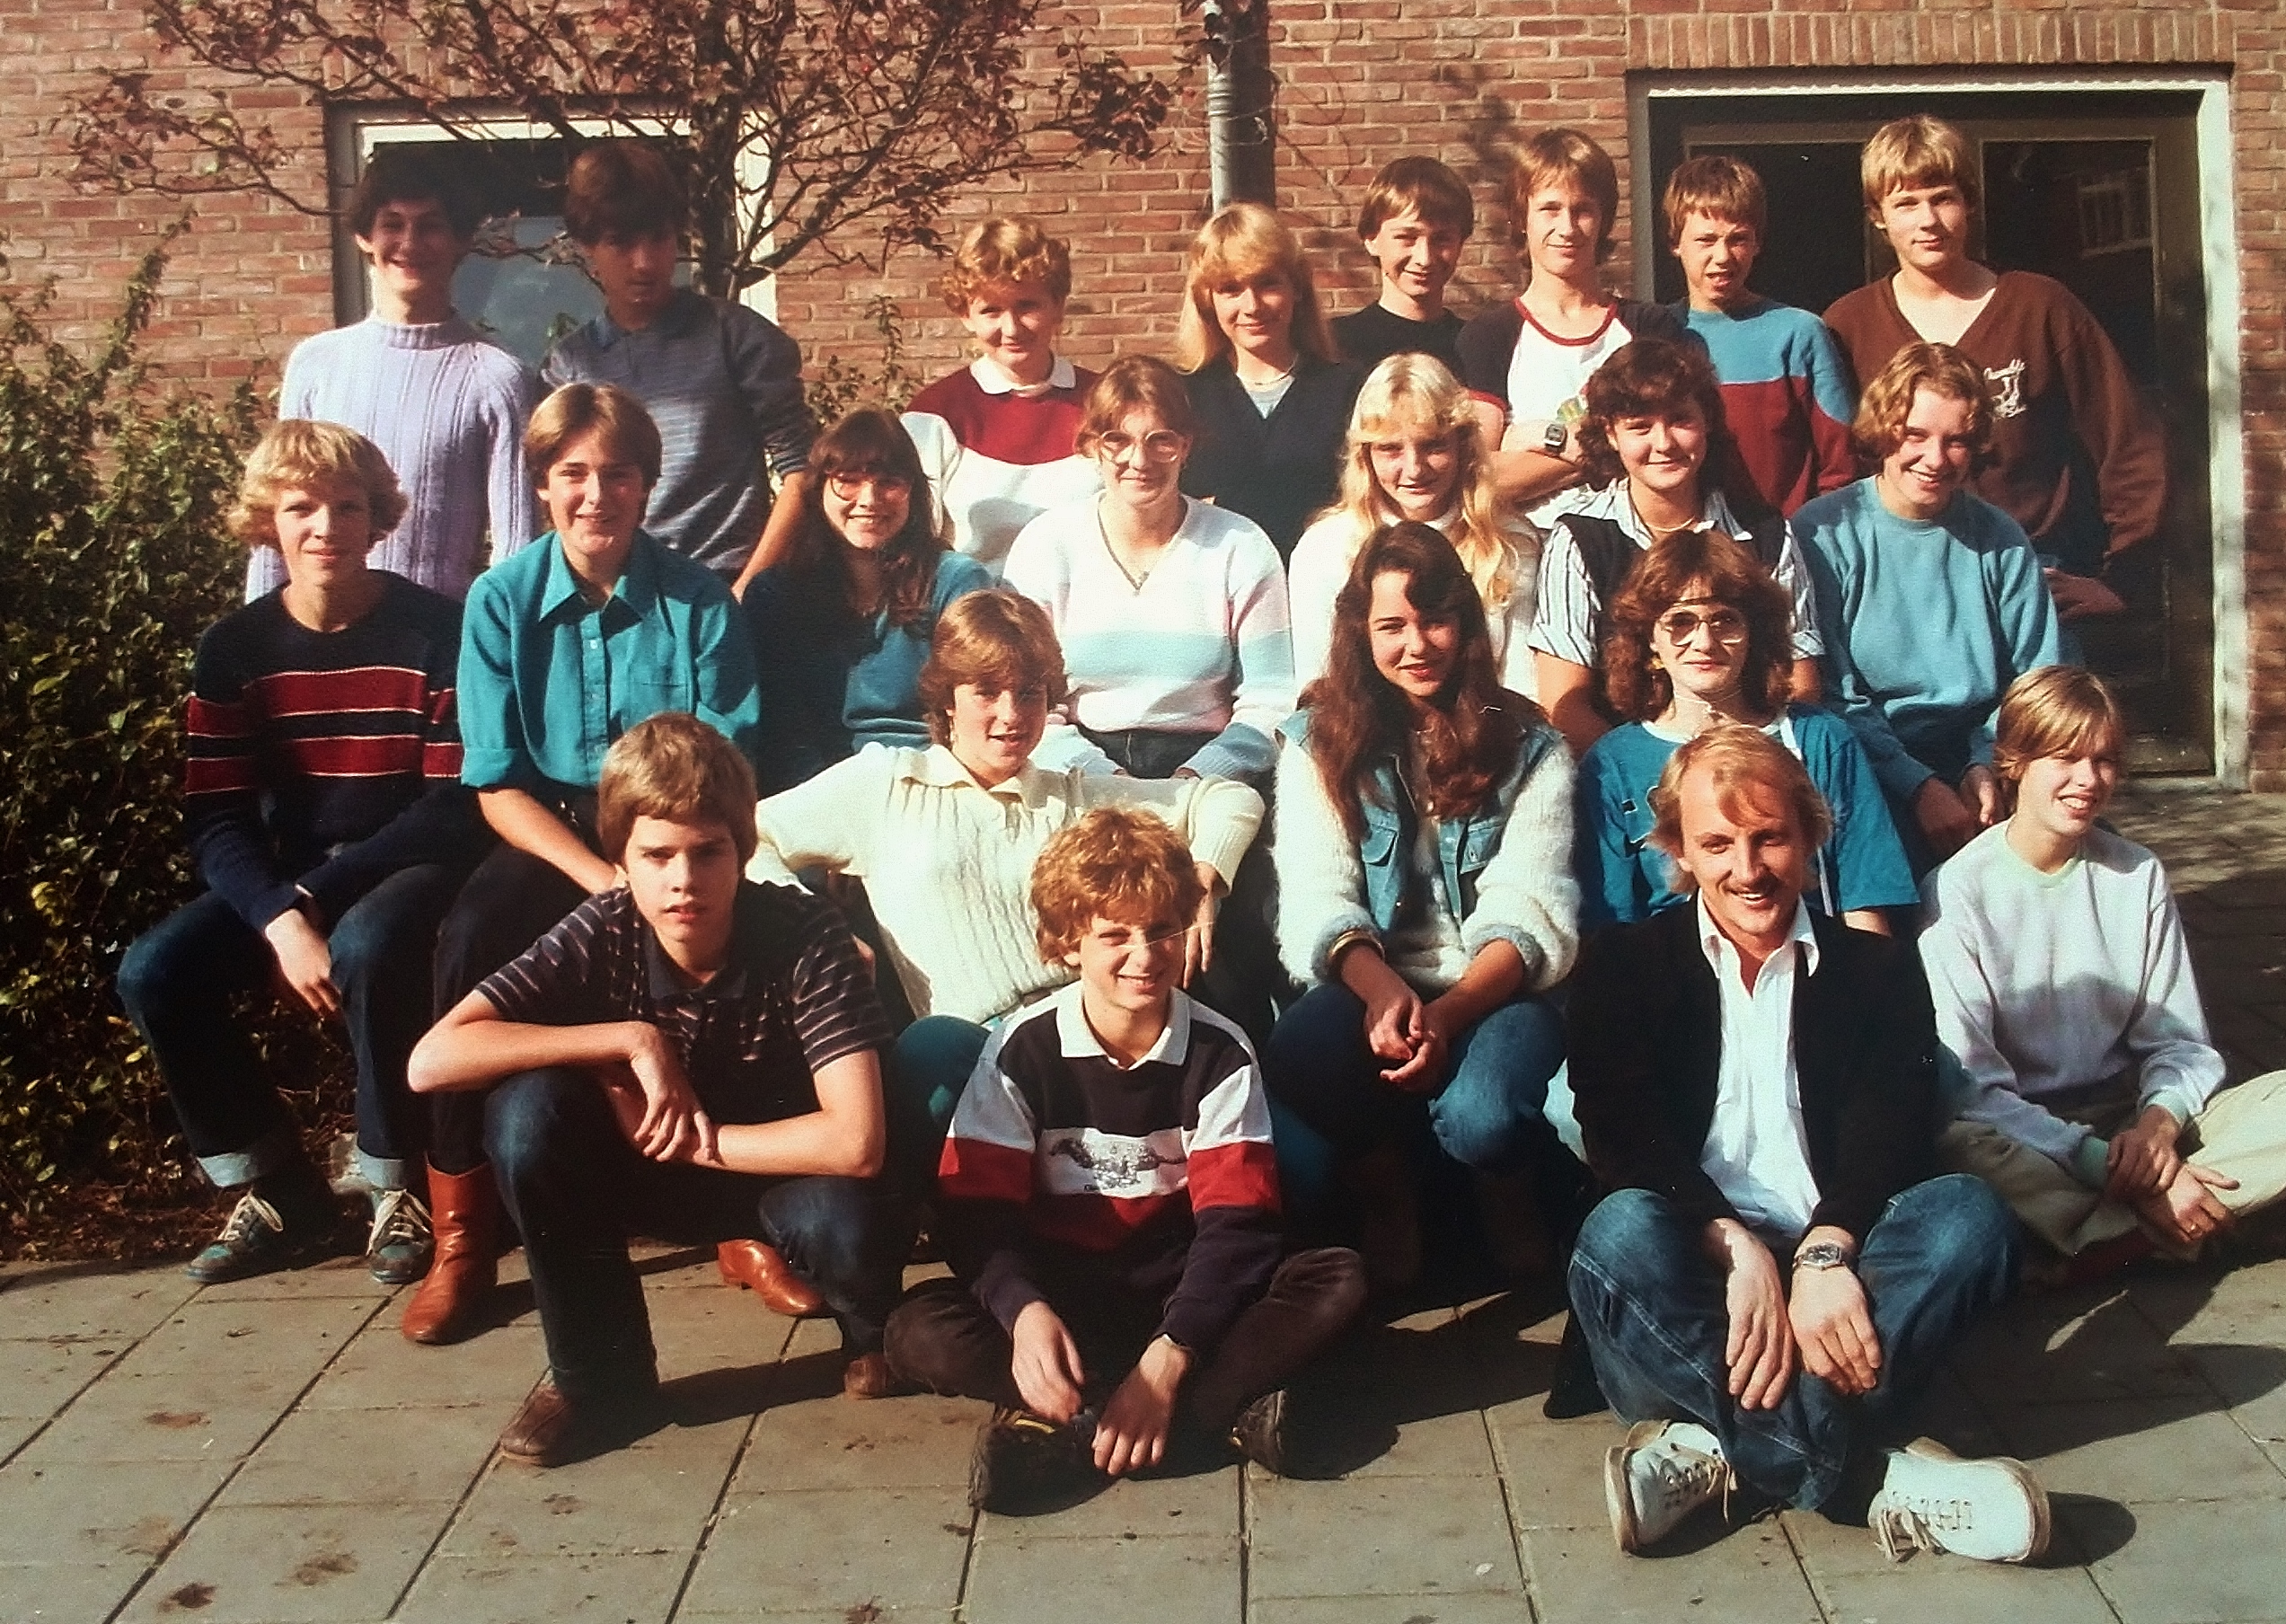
[(1992, 1510), (1665, 1471)]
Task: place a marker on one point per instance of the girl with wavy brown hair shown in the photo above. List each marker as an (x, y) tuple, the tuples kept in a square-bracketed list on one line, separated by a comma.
[(1696, 638), (1424, 861)]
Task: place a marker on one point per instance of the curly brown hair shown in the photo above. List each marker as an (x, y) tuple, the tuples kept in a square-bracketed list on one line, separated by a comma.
[(1116, 863), (1469, 734), (1696, 564), (1659, 378), (872, 441)]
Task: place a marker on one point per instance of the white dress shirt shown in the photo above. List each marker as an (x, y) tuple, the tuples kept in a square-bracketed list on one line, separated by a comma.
[(1756, 1151)]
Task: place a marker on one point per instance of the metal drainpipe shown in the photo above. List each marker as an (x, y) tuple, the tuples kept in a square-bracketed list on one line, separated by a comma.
[(1240, 124)]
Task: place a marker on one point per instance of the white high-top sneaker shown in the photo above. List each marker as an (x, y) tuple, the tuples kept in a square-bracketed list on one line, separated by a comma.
[(1665, 1471), (1991, 1510)]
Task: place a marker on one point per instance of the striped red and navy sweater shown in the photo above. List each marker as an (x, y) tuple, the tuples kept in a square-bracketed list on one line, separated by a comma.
[(1163, 1170), (325, 759)]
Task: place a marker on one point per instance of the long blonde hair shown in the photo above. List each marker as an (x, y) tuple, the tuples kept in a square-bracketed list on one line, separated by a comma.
[(1244, 240), (1408, 392)]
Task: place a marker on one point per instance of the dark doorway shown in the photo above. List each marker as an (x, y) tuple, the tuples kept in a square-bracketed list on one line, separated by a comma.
[(2096, 189)]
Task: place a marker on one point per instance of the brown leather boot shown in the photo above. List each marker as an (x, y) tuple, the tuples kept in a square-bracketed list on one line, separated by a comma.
[(449, 1303)]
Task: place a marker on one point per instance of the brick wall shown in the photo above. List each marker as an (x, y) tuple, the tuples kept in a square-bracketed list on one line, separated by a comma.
[(1361, 80)]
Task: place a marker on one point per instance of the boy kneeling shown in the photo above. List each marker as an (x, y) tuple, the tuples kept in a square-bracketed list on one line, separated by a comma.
[(1109, 1203), (682, 1056)]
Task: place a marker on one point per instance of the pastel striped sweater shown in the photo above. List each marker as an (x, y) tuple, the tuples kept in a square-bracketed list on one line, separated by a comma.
[(1201, 646), (947, 863), (447, 407)]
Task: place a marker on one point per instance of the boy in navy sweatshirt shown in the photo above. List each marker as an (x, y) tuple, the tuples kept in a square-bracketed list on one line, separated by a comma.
[(1109, 1202), (324, 811)]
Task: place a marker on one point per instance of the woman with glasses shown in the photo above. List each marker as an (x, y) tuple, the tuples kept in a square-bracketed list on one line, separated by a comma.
[(1698, 637), (1171, 611), (848, 614)]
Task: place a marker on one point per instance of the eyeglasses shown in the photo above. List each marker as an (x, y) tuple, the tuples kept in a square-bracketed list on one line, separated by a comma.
[(847, 486), (1681, 625), (1159, 445)]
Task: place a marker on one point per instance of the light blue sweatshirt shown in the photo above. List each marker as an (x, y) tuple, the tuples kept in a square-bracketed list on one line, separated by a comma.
[(1926, 623)]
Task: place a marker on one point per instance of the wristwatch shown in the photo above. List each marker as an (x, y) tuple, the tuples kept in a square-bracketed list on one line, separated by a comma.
[(1553, 437), (1822, 1255)]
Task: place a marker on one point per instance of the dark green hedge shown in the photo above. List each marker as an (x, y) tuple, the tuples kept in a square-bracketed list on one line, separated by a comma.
[(113, 559)]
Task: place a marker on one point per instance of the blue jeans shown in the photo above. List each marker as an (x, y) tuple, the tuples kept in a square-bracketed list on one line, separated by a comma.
[(577, 1190), (1486, 1117), (1650, 1304), (177, 983)]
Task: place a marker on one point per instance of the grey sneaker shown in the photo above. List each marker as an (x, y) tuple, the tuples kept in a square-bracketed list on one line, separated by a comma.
[(255, 1240), (400, 1243), (1664, 1472), (1991, 1510)]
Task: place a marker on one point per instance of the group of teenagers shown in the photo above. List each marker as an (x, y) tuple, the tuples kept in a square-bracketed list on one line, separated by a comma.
[(1198, 846)]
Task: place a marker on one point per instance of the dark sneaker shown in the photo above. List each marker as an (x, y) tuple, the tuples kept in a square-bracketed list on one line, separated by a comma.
[(400, 1243), (1026, 1463), (1260, 1433), (255, 1240)]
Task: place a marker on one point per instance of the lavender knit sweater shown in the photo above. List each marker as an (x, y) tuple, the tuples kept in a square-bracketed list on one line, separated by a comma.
[(447, 407)]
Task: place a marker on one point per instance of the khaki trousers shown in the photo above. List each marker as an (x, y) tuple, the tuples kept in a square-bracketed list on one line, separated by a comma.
[(2242, 1132)]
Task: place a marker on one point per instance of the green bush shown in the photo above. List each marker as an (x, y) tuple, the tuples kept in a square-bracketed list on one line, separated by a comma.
[(113, 560)]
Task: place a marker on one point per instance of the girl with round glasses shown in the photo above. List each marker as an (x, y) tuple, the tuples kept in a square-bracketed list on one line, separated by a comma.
[(1700, 636), (1416, 453), (847, 616)]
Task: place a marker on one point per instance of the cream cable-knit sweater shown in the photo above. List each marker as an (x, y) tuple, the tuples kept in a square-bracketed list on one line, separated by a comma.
[(947, 863)]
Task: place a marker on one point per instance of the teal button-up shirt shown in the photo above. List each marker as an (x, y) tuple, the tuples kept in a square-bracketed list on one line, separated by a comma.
[(548, 680)]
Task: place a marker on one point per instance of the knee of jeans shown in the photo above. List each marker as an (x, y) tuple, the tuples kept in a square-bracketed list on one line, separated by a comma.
[(1973, 1232), (526, 1116), (1478, 1129), (143, 978), (831, 1233), (1624, 1232)]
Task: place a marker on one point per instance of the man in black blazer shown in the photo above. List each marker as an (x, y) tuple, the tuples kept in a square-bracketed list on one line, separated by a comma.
[(1777, 1269)]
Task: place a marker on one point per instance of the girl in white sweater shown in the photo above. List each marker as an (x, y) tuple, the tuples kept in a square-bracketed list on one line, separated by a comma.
[(945, 839), (2091, 1098)]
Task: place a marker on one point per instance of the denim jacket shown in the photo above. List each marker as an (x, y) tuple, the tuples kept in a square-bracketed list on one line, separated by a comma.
[(1466, 845)]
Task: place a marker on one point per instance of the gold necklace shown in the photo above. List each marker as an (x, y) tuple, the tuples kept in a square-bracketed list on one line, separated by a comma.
[(1659, 533)]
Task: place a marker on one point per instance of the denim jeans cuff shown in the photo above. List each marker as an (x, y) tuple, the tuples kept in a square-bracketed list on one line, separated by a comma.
[(275, 1151), (379, 1172)]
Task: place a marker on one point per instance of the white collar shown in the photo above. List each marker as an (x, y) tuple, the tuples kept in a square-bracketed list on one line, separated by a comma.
[(1078, 1041), (1720, 950), (938, 768), (993, 380), (1611, 503)]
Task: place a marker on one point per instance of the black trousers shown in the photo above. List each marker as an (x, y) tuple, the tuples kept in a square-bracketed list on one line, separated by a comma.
[(945, 1339)]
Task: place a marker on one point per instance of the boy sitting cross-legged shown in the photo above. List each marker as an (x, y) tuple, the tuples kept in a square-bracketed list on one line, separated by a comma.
[(688, 1056), (1109, 1204)]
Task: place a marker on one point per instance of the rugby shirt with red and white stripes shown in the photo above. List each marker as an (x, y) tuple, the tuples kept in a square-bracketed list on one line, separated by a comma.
[(1163, 1170), (326, 759)]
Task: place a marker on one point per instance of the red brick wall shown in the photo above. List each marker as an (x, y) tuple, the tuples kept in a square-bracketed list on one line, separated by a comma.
[(1361, 80)]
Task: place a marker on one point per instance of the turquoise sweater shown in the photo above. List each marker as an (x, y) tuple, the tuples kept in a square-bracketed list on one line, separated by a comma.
[(1926, 625)]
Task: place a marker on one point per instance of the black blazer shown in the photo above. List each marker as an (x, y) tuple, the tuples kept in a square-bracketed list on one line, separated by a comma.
[(1644, 1032), (1277, 471)]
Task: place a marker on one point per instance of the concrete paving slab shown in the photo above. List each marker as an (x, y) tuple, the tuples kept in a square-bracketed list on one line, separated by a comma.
[(167, 1416), (285, 1336), (1187, 1504), (914, 1443), (37, 1378), (65, 1594), (94, 1513), (1554, 1469), (79, 1301), (1854, 1581), (359, 1457), (2070, 1347), (1579, 1577), (1481, 1609), (290, 1565), (2137, 1450), (1384, 1536), (695, 1330), (594, 1589), (344, 1276), (1022, 1579), (630, 1500), (2190, 1563), (831, 1551), (380, 1370)]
